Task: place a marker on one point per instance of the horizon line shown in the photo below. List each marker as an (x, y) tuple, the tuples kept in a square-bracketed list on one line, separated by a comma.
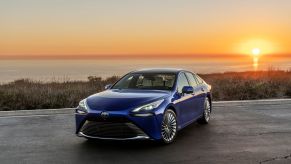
[(132, 56)]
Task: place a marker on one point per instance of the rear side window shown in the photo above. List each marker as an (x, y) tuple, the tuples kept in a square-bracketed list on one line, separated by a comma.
[(182, 81), (199, 80), (191, 78)]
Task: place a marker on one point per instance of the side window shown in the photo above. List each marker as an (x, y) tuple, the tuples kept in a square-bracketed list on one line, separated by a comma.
[(199, 80), (182, 81), (191, 78)]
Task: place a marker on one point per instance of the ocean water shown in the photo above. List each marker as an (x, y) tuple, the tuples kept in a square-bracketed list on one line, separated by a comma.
[(62, 70)]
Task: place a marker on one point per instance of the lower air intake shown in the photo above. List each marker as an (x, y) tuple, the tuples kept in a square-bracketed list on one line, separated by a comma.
[(111, 130)]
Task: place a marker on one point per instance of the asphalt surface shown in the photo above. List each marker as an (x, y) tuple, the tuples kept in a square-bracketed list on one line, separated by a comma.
[(239, 132)]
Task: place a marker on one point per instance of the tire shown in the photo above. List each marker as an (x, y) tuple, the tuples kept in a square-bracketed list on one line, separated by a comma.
[(206, 113), (169, 127)]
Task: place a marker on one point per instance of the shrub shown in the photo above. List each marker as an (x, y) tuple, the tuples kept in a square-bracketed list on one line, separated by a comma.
[(26, 94)]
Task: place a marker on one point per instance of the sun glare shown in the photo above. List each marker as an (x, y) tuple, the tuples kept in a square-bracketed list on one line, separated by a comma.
[(256, 47), (256, 51)]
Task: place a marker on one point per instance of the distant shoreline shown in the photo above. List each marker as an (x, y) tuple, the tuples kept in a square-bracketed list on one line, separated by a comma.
[(63, 79), (64, 70)]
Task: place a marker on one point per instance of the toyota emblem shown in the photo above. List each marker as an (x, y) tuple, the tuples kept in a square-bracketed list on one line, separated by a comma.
[(104, 115)]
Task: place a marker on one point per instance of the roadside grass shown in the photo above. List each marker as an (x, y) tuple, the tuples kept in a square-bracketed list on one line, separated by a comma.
[(25, 94), (250, 85)]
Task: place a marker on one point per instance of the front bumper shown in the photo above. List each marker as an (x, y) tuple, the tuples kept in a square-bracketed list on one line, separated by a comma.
[(118, 126), (111, 131)]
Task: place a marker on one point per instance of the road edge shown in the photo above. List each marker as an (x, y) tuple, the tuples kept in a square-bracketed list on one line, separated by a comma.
[(71, 110)]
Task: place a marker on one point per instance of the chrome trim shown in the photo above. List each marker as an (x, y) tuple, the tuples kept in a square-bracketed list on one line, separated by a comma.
[(81, 112), (140, 134), (80, 134), (142, 114)]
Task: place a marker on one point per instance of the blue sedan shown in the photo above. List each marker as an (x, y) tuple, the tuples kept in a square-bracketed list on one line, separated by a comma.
[(145, 104)]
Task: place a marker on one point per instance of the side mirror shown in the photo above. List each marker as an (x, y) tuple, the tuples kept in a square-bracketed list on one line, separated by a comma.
[(188, 89), (108, 86)]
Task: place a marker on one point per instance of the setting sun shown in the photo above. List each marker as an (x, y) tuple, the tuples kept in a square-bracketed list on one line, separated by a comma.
[(256, 47), (256, 51)]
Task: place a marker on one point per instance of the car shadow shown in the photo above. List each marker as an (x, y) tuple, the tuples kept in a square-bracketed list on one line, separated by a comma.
[(108, 144), (191, 139)]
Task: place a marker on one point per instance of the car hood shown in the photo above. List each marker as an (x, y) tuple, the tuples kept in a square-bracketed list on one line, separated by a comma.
[(116, 99)]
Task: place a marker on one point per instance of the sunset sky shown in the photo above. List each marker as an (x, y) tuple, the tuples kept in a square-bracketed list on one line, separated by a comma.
[(142, 27)]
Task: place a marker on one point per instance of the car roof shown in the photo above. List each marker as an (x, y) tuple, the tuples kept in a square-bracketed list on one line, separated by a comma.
[(159, 70)]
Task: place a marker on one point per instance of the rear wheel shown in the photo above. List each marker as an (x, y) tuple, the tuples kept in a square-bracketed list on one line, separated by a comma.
[(169, 127), (206, 114)]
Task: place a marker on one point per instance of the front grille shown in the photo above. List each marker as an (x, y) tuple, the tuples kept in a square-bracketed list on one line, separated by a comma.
[(111, 129)]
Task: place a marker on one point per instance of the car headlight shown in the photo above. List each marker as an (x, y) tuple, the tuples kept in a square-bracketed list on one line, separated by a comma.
[(149, 107), (82, 108)]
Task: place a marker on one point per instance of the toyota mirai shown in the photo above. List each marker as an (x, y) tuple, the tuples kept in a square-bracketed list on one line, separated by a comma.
[(145, 104)]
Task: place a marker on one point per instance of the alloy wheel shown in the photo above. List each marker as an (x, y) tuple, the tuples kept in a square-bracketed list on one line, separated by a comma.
[(169, 126), (207, 110)]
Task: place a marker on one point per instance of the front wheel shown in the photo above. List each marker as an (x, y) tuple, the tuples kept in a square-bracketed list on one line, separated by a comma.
[(169, 127), (206, 114)]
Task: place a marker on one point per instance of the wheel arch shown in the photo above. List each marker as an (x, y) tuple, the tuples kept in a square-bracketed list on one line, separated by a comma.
[(172, 108), (209, 96)]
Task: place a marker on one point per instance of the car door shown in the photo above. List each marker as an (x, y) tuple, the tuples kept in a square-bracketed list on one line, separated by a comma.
[(196, 100), (184, 102), (200, 92)]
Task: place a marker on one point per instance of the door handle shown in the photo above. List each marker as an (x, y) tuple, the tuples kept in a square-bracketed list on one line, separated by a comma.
[(202, 89)]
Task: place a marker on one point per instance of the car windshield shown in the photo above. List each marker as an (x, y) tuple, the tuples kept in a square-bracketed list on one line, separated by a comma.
[(151, 81)]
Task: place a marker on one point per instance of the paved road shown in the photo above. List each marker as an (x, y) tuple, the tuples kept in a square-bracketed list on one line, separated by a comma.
[(239, 132)]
